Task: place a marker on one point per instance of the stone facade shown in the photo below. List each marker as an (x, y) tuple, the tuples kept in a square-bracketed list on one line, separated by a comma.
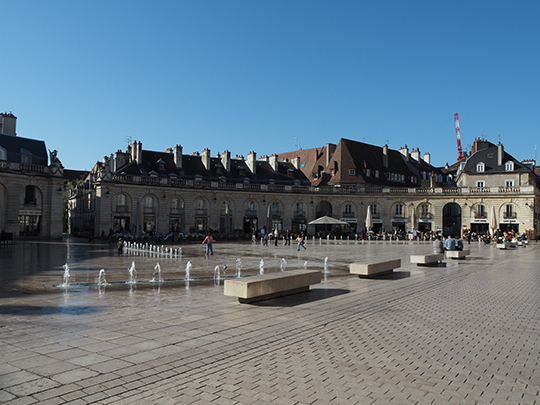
[(143, 191), (31, 190)]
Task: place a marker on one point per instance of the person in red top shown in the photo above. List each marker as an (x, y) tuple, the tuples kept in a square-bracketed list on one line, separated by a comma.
[(209, 240)]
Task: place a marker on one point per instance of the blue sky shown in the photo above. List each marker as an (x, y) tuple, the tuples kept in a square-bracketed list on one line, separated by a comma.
[(262, 76)]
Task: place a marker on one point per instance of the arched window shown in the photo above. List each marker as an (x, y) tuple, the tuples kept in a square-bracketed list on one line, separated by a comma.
[(480, 167), (149, 204), (399, 210), (509, 166)]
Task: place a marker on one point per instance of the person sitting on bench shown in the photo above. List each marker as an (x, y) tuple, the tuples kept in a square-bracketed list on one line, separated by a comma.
[(450, 244), (459, 243)]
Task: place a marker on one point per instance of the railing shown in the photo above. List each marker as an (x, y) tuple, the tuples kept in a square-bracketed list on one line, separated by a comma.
[(201, 211), (251, 213), (427, 215), (480, 215), (122, 208), (348, 215), (509, 215), (22, 167), (280, 188), (149, 210)]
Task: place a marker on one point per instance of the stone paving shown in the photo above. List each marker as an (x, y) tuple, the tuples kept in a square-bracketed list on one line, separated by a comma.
[(463, 333)]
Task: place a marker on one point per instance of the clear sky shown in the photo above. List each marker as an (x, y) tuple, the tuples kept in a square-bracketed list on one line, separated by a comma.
[(264, 76)]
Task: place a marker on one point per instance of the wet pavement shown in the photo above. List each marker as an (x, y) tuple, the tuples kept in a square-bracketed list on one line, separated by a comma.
[(465, 332)]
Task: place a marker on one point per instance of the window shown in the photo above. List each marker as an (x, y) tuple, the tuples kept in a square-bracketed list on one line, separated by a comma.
[(275, 208), (424, 210), (368, 172), (200, 207), (509, 211), (225, 208), (509, 183), (30, 195), (250, 208), (376, 174), (352, 172), (176, 206), (149, 204), (26, 159), (374, 210), (509, 166), (399, 210), (299, 209), (347, 210), (480, 183), (121, 203), (480, 167), (480, 211)]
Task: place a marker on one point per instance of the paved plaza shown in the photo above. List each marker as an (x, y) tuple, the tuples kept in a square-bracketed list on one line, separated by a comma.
[(463, 333)]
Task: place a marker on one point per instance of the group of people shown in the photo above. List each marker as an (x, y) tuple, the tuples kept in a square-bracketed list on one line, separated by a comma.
[(451, 243), (286, 236)]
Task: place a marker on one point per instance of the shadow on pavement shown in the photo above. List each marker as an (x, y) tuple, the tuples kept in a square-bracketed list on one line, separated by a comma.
[(30, 310), (312, 295)]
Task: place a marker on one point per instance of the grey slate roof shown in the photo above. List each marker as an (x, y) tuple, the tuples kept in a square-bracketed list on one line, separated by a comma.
[(15, 145)]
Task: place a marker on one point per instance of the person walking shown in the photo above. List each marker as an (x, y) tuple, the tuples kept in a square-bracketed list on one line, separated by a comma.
[(276, 236), (300, 242), (209, 240), (120, 246)]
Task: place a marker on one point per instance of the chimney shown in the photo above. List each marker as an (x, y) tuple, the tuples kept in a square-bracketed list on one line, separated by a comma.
[(8, 124), (415, 154), (205, 158), (178, 156), (296, 162), (427, 158), (500, 155), (134, 152), (226, 160), (139, 153), (327, 154), (252, 162), (404, 150), (274, 162), (385, 156)]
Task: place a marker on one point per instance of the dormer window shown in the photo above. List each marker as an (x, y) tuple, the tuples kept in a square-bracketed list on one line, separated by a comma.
[(509, 166), (368, 173), (352, 172), (480, 167), (376, 174), (241, 170), (161, 165), (290, 172)]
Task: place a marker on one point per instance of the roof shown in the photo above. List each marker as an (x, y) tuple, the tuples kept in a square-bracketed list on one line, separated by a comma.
[(488, 153), (15, 145)]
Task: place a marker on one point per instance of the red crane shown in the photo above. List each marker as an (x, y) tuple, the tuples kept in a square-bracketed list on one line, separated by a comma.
[(460, 153)]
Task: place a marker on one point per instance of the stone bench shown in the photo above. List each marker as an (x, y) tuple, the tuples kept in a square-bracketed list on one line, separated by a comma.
[(457, 254), (506, 245), (374, 267), (427, 260), (271, 285)]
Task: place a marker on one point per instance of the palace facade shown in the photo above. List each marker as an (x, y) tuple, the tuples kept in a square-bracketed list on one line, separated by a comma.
[(31, 188), (148, 191)]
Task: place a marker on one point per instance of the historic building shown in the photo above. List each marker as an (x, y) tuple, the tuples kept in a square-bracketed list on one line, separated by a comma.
[(31, 189), (146, 191)]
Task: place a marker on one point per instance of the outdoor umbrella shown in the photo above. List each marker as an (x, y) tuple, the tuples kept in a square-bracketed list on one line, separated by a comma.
[(413, 218), (326, 220), (492, 221), (369, 219)]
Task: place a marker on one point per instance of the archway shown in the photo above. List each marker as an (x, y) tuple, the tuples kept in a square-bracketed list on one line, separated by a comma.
[(452, 220)]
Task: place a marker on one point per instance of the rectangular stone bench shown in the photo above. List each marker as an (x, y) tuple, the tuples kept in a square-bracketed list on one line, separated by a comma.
[(457, 254), (271, 285), (506, 245), (427, 260), (374, 267)]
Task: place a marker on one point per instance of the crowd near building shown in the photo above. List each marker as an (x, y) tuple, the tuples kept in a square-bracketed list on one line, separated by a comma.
[(144, 192)]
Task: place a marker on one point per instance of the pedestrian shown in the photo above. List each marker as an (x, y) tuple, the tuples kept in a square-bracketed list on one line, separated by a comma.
[(450, 243), (120, 246), (438, 245), (209, 240), (300, 242), (276, 236)]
